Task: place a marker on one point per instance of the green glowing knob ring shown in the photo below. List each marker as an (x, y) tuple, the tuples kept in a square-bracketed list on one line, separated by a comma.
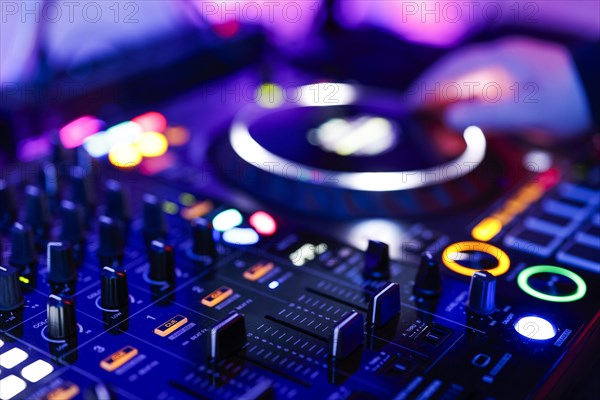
[(523, 282)]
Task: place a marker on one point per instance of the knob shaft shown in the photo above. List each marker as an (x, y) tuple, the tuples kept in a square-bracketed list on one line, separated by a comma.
[(61, 267), (114, 290), (162, 262), (8, 209), (110, 250), (155, 227), (82, 192), (482, 293), (11, 296), (36, 214), (377, 261), (50, 183), (61, 316), (428, 282), (203, 240), (23, 254), (117, 206), (73, 222)]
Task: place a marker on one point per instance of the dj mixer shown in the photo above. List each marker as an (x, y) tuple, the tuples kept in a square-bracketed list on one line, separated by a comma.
[(320, 273)]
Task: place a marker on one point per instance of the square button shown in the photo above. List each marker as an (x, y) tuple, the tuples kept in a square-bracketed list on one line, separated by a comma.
[(11, 386), (37, 370), (12, 357)]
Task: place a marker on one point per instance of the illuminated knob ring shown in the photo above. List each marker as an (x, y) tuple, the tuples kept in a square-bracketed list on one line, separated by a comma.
[(523, 283), (453, 265)]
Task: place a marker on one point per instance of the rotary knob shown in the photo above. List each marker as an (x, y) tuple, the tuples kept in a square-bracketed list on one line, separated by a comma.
[(73, 225), (428, 282), (60, 312), (482, 293), (61, 267), (110, 250), (204, 247), (377, 261), (36, 214), (8, 209), (11, 296), (155, 227), (114, 290), (162, 262), (116, 202), (23, 254), (82, 192)]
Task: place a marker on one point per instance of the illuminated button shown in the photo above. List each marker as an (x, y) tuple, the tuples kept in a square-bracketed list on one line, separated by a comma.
[(170, 208), (217, 297), (563, 209), (487, 229), (12, 358), (124, 155), (241, 236), (97, 145), (535, 328), (187, 199), (531, 241), (258, 270), (526, 274), (454, 252), (263, 223), (11, 386), (37, 370), (152, 144), (177, 135), (197, 210), (119, 358), (151, 121), (171, 326), (66, 391), (578, 193), (75, 132), (227, 219)]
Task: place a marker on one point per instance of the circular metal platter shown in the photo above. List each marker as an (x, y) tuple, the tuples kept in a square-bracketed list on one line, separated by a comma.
[(355, 154)]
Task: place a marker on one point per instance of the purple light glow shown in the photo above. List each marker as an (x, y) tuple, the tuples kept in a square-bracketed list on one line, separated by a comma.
[(75, 132)]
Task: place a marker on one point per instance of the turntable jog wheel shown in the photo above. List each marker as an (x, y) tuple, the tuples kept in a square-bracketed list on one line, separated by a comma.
[(340, 150)]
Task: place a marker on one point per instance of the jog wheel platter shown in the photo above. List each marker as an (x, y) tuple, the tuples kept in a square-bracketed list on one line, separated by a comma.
[(341, 150)]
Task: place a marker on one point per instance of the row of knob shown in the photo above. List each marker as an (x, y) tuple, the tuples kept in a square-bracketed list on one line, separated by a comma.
[(76, 214), (428, 284), (62, 269)]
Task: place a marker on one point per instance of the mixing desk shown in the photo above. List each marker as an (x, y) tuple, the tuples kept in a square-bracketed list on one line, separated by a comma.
[(123, 278)]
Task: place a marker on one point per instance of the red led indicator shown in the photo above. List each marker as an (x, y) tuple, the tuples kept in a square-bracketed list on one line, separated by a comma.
[(151, 122), (263, 223)]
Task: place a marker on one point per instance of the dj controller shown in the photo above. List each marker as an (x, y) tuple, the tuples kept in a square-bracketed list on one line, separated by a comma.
[(279, 259)]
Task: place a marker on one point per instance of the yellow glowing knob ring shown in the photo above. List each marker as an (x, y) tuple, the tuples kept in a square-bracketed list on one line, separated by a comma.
[(450, 252)]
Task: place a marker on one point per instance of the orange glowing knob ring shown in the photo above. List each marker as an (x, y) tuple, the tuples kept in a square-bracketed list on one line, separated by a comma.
[(451, 255)]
